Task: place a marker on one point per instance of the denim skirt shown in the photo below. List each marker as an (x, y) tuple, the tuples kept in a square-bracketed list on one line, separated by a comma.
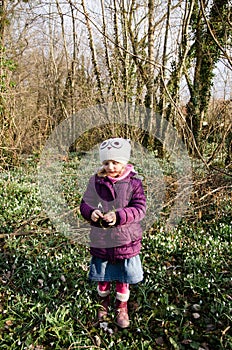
[(125, 270)]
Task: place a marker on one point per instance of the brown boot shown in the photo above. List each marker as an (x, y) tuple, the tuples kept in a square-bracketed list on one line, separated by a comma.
[(122, 318), (103, 310)]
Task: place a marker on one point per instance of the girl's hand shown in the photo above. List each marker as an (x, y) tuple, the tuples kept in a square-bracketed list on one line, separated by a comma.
[(110, 218), (96, 214)]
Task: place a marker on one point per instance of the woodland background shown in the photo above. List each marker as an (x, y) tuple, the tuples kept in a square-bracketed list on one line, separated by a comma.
[(171, 57)]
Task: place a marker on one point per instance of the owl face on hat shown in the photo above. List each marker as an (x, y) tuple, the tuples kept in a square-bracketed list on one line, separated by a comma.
[(117, 149)]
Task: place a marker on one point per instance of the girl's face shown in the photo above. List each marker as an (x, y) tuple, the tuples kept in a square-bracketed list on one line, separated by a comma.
[(113, 168)]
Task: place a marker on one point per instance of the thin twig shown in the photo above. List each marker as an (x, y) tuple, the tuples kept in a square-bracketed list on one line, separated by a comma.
[(213, 191)]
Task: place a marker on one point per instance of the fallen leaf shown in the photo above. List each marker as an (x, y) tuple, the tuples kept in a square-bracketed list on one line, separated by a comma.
[(210, 327), (41, 283), (186, 341), (160, 341), (205, 346), (97, 340), (196, 307)]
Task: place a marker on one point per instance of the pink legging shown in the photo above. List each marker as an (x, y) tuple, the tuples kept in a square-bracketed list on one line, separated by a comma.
[(120, 287)]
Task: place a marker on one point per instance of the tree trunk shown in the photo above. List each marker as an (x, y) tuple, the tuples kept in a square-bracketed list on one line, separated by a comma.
[(206, 53), (162, 102), (149, 99), (94, 56)]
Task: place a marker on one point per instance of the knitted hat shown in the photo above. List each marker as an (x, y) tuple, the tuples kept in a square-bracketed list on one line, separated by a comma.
[(117, 149)]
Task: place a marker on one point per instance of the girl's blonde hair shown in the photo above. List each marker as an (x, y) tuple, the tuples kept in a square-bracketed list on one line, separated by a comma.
[(102, 173)]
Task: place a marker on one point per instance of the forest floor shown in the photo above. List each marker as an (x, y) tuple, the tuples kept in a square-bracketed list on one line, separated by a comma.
[(47, 302)]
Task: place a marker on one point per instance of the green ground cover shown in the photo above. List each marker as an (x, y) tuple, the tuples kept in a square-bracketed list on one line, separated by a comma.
[(46, 301)]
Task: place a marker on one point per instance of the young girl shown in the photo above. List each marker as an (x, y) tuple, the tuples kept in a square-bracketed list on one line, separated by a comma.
[(114, 203)]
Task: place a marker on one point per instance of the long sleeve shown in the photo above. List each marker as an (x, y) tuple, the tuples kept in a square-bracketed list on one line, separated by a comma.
[(89, 200), (135, 211)]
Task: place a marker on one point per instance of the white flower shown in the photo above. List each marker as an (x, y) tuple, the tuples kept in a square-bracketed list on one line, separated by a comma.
[(63, 279)]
